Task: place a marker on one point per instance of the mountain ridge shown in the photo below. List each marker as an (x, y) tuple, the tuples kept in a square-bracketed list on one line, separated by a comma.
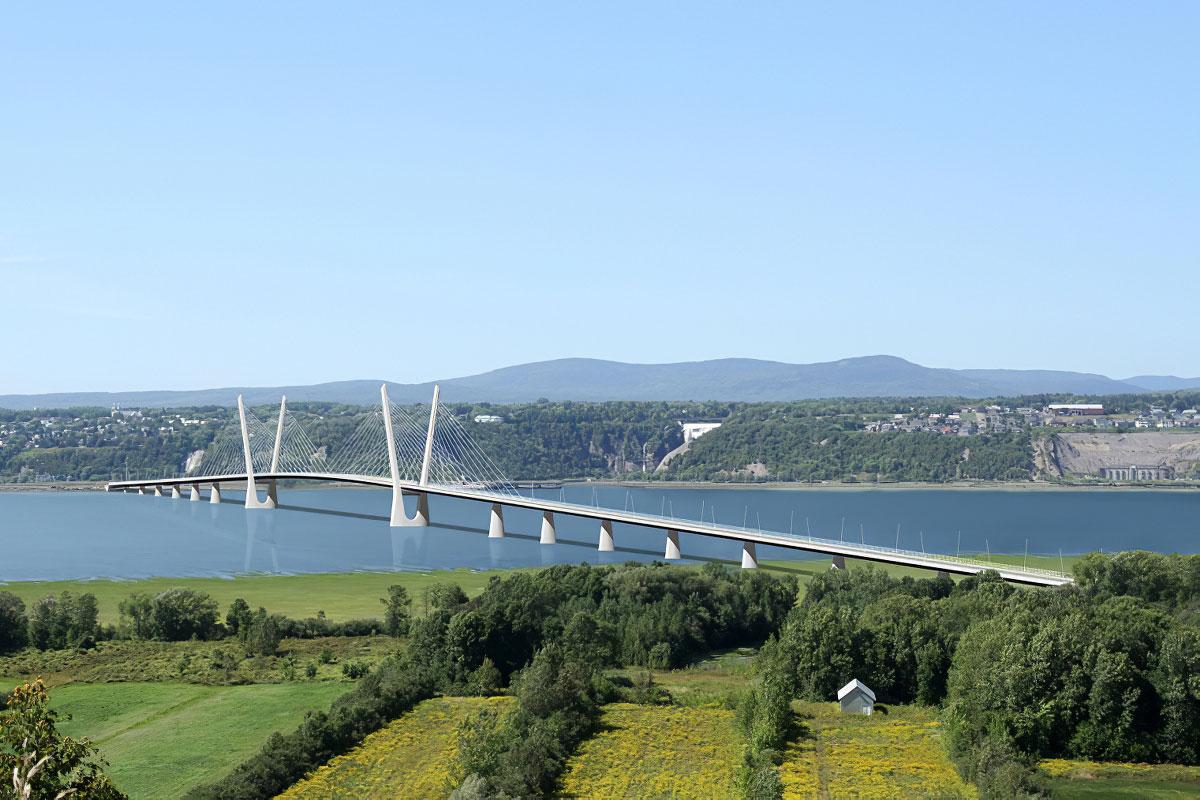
[(589, 379)]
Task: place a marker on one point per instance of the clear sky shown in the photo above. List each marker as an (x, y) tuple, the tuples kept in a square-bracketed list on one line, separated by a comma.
[(213, 194)]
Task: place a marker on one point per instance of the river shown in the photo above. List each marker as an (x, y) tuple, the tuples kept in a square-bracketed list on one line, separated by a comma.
[(74, 535)]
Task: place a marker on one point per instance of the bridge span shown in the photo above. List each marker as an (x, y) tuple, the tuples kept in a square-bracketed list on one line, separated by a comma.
[(451, 465)]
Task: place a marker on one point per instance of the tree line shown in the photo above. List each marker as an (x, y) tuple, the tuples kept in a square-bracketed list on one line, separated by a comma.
[(1105, 669)]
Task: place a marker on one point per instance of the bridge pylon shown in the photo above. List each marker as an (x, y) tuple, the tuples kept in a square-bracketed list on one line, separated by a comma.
[(252, 500), (399, 518)]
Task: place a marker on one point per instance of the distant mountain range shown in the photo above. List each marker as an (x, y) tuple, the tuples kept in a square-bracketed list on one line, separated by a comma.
[(743, 379)]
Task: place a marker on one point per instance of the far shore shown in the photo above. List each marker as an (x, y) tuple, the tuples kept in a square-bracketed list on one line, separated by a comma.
[(984, 486)]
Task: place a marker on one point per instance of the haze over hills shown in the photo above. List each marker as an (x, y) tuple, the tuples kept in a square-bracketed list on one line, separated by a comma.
[(743, 379)]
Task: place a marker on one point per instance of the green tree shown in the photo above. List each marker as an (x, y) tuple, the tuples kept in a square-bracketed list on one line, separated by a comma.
[(238, 616), (262, 635), (42, 763), (181, 614), (13, 623), (138, 610), (396, 616)]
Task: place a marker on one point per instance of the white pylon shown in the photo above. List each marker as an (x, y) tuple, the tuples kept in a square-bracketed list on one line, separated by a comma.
[(252, 500), (749, 556)]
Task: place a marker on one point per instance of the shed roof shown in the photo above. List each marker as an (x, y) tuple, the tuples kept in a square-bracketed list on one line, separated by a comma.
[(856, 684)]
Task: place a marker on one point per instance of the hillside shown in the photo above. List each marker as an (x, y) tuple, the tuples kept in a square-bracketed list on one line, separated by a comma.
[(729, 379)]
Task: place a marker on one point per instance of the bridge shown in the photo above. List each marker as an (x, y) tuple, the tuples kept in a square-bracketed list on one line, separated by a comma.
[(391, 449)]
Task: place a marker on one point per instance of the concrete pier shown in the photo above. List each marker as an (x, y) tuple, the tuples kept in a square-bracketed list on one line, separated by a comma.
[(838, 562), (194, 494), (214, 496), (749, 555), (672, 551), (606, 537), (158, 491), (496, 522), (175, 495), (549, 534)]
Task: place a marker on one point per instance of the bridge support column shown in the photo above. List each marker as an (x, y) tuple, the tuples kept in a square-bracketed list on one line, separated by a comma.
[(496, 522), (158, 491), (214, 496), (672, 552), (839, 562), (252, 500), (273, 493), (141, 490), (194, 493), (606, 537), (400, 517), (749, 555), (549, 535), (175, 493)]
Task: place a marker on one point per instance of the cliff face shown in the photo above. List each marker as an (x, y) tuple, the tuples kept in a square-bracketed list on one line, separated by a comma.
[(1080, 454)]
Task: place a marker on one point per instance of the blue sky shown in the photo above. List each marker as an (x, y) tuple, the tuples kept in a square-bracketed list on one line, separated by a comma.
[(222, 194)]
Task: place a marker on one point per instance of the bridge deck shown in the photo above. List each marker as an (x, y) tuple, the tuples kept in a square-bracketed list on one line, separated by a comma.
[(930, 561)]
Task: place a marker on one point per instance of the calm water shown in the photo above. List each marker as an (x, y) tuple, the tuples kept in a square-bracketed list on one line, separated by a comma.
[(49, 536)]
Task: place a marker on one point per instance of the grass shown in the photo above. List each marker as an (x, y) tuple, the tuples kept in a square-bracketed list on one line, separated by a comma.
[(657, 752), (342, 596), (412, 757), (712, 682), (897, 754), (222, 662), (162, 739), (1090, 779)]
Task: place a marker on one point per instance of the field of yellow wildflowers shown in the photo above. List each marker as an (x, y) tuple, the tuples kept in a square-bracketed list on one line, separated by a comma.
[(410, 758), (898, 754), (657, 752)]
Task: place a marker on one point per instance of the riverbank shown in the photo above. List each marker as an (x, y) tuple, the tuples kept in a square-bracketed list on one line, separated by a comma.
[(985, 486)]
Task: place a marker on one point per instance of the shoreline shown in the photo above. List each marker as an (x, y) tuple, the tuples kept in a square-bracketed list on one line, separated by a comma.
[(898, 486)]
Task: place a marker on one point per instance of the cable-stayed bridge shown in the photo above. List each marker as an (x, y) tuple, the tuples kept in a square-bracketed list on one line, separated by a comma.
[(394, 450)]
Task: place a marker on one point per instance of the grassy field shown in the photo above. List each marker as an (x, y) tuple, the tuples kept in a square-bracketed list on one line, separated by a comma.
[(342, 596), (222, 662), (657, 752), (162, 739), (356, 595), (410, 758), (897, 754), (1088, 779)]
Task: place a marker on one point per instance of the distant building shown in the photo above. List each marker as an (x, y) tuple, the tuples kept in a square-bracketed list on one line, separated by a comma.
[(694, 430), (488, 419), (856, 698), (1136, 473), (1076, 409)]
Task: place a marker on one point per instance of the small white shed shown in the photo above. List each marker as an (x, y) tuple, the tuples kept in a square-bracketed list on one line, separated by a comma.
[(856, 698)]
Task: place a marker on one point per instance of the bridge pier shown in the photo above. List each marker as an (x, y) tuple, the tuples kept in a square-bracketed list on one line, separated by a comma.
[(157, 490), (672, 551), (749, 555), (496, 522), (400, 517), (195, 493), (549, 534), (273, 493), (214, 496), (141, 490), (839, 562), (606, 537), (175, 494)]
